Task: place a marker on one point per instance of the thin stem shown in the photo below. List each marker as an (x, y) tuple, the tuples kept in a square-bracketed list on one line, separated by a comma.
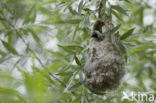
[(109, 26), (99, 10)]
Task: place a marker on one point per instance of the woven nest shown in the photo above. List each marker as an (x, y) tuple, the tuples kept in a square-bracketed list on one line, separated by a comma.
[(105, 66)]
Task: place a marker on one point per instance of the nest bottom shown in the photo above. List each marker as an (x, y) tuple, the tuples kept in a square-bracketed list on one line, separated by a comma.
[(104, 78)]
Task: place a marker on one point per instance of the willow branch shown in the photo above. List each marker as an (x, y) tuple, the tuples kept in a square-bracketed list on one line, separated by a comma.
[(99, 10), (109, 26), (16, 30)]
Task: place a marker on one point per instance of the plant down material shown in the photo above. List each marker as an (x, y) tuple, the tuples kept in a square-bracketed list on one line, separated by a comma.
[(105, 66)]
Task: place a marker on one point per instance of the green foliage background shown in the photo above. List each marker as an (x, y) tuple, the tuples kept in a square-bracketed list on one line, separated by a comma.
[(43, 47)]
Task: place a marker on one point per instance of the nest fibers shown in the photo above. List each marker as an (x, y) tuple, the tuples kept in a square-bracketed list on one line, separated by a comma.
[(105, 66)]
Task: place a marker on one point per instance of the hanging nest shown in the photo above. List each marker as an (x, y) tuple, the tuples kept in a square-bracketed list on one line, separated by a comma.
[(106, 65)]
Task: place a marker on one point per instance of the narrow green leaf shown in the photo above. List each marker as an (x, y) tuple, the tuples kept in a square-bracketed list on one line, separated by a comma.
[(127, 1), (64, 0), (140, 48), (104, 3), (67, 49), (9, 34), (76, 28), (77, 60), (35, 69), (21, 70), (27, 48), (123, 50), (115, 29), (151, 52), (81, 76), (117, 16), (4, 24), (80, 7), (75, 86), (72, 11), (12, 92), (65, 73), (57, 54), (70, 81), (12, 1), (2, 52), (87, 9), (3, 75), (68, 21), (119, 9), (77, 99), (36, 38), (117, 34), (141, 12), (114, 40), (56, 65), (49, 1), (31, 15), (109, 14), (44, 10), (75, 47), (4, 58), (9, 48), (127, 34), (86, 22), (23, 31)]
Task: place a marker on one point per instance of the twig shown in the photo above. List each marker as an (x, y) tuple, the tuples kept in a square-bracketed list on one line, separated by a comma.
[(99, 10), (109, 26)]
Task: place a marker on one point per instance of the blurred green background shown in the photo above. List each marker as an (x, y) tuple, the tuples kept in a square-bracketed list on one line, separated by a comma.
[(43, 48)]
